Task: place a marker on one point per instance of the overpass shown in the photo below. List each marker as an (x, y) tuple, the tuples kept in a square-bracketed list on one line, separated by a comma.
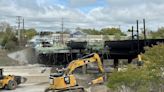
[(129, 49)]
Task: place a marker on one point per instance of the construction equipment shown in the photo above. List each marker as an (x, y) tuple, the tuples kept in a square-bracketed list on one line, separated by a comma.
[(64, 79), (10, 82), (140, 62)]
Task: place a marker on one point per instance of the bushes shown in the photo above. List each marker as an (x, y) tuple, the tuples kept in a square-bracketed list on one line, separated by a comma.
[(142, 79), (10, 45), (9, 40), (132, 79), (159, 34)]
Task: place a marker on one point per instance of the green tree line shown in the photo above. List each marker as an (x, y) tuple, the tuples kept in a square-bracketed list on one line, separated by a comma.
[(9, 38), (159, 34), (104, 31)]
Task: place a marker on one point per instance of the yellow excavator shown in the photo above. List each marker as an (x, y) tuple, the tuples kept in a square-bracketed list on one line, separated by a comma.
[(64, 79), (10, 82)]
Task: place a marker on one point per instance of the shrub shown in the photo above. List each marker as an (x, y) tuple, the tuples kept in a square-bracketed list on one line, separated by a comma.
[(10, 45), (142, 79)]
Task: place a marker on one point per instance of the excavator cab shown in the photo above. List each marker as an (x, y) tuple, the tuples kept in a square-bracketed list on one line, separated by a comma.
[(59, 81), (57, 72)]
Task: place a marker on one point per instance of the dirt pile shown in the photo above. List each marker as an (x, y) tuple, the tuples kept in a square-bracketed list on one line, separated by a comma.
[(25, 56), (98, 88), (5, 60)]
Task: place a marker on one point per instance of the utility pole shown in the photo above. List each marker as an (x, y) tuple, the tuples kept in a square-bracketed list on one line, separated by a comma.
[(132, 33), (19, 33), (119, 27), (138, 38), (23, 36), (23, 23), (144, 29), (62, 24)]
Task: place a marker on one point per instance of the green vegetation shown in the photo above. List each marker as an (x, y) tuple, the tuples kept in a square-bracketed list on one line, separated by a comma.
[(159, 34), (1, 36), (91, 31), (104, 31), (144, 78), (45, 33), (112, 31), (29, 33), (9, 38)]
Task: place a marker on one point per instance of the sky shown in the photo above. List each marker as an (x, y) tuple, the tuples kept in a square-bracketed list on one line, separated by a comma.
[(47, 15)]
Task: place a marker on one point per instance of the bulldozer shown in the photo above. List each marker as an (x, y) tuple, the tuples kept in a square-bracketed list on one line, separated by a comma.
[(65, 80), (10, 82)]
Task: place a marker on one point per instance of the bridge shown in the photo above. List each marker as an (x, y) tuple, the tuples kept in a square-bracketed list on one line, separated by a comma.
[(129, 49)]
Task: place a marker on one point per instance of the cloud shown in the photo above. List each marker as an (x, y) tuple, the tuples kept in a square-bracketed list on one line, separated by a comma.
[(39, 14), (47, 14), (81, 3), (126, 12), (127, 3)]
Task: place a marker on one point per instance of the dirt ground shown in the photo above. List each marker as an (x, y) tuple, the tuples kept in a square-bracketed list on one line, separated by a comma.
[(37, 81)]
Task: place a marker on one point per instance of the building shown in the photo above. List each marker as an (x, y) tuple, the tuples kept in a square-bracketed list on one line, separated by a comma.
[(60, 38), (78, 36), (94, 38), (81, 36)]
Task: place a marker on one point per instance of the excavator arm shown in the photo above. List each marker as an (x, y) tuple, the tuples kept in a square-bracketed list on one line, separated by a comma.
[(94, 57), (66, 80)]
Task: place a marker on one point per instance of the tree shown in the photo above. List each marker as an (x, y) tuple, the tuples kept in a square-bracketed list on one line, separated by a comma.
[(29, 33), (159, 34), (3, 26), (10, 45), (142, 79), (91, 31), (9, 39), (45, 33), (66, 31), (111, 31), (103, 31), (117, 36)]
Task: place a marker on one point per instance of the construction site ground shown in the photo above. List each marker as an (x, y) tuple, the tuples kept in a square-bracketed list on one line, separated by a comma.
[(37, 81), (21, 63)]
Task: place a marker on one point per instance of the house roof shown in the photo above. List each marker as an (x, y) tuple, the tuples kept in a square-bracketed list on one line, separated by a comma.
[(79, 32)]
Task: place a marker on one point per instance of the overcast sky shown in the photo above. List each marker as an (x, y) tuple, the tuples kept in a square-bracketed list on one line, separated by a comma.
[(47, 14)]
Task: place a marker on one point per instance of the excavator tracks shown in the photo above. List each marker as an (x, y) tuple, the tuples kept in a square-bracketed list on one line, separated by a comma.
[(70, 89)]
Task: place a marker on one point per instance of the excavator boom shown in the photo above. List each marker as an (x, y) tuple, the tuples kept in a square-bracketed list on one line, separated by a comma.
[(94, 57), (66, 80)]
